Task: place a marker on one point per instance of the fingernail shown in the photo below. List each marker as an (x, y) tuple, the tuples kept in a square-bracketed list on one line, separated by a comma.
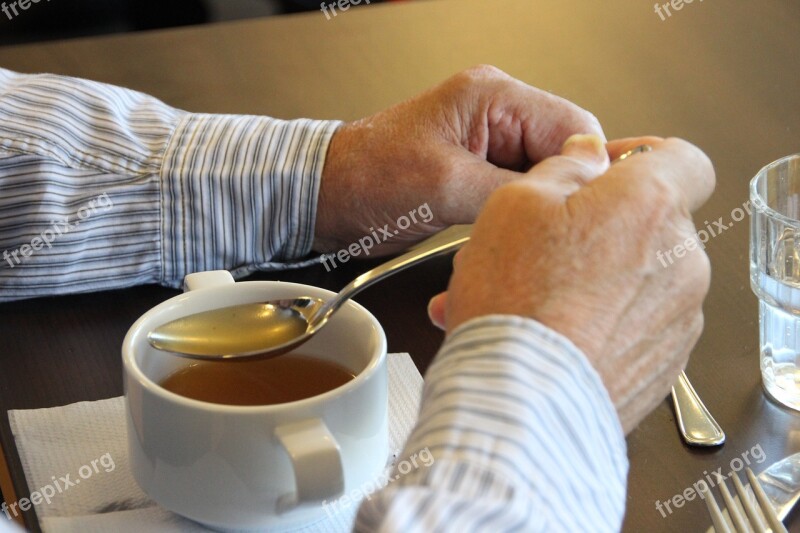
[(586, 146)]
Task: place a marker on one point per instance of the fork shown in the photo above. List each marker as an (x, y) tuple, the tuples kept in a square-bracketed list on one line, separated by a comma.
[(744, 515)]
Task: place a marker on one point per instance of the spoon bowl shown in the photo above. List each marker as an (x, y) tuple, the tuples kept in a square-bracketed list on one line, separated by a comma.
[(241, 330)]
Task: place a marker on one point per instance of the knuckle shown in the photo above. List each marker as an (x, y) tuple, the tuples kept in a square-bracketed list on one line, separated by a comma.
[(690, 277), (699, 275), (477, 74), (517, 198), (585, 119), (591, 120), (690, 327), (484, 71), (694, 329), (698, 323), (658, 194), (575, 119), (682, 145), (700, 161), (506, 194)]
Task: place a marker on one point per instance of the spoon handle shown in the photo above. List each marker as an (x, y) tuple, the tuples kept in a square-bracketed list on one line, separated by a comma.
[(696, 424), (439, 244)]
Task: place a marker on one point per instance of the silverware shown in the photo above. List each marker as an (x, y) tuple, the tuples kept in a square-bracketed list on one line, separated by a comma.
[(268, 329), (781, 484), (751, 511), (697, 426)]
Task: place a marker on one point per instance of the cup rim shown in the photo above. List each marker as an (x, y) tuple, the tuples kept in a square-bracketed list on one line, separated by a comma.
[(131, 368), (758, 201)]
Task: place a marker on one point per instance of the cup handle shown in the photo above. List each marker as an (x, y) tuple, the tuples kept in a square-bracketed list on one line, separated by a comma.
[(206, 280), (316, 458)]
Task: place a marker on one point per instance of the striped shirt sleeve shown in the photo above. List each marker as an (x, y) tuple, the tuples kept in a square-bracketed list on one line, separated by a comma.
[(103, 187), (516, 432)]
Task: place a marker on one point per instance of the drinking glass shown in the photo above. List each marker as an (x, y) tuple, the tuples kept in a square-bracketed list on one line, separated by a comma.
[(775, 275)]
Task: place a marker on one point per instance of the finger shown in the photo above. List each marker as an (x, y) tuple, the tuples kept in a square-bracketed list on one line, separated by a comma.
[(677, 163), (524, 124), (546, 122), (462, 204), (617, 147), (589, 148), (646, 387), (457, 257), (583, 158), (436, 310)]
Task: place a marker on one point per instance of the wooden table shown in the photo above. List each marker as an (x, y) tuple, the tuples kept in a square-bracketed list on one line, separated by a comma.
[(724, 74)]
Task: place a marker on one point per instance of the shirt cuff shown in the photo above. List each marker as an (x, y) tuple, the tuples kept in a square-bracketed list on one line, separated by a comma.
[(240, 192), (519, 430), (509, 340)]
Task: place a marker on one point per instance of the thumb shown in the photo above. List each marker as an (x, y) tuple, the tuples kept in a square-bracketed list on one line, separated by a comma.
[(587, 147), (582, 159), (436, 310)]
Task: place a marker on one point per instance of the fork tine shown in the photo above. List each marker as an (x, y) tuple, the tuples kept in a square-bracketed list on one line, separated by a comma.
[(747, 503), (766, 506), (734, 509), (720, 526)]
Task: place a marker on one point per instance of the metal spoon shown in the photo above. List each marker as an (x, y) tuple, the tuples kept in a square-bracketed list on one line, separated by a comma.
[(276, 327), (697, 426)]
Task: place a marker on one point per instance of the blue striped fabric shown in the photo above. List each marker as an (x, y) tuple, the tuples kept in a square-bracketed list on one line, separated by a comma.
[(522, 434), (103, 187)]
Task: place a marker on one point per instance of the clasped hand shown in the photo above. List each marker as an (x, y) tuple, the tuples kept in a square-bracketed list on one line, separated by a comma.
[(560, 236)]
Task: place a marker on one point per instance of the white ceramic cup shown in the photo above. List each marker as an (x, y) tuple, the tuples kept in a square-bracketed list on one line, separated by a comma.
[(255, 467)]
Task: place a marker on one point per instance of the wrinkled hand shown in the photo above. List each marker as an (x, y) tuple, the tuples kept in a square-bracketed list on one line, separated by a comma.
[(578, 253), (446, 149)]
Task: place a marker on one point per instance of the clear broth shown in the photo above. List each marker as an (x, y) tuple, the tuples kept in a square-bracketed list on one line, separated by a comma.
[(282, 379)]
